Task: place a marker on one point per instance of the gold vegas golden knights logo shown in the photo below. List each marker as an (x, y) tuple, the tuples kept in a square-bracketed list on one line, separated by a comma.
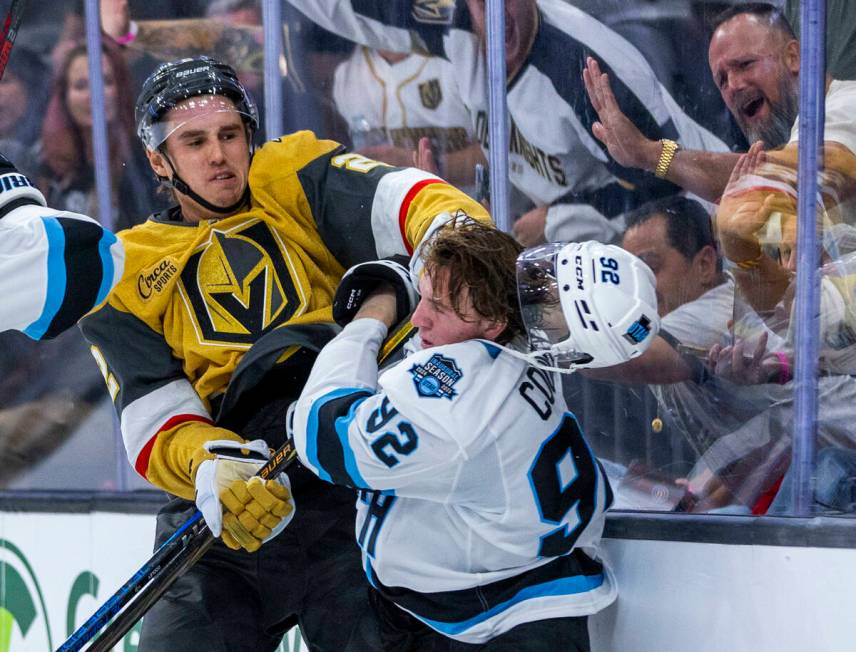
[(240, 284), (439, 12), (430, 93)]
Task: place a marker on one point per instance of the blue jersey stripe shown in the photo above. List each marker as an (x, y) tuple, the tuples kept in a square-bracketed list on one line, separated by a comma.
[(327, 436), (312, 430), (57, 279), (492, 350), (456, 611), (560, 587), (342, 424), (107, 267), (369, 571)]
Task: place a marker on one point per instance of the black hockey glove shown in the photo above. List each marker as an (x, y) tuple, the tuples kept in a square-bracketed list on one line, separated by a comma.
[(16, 189), (359, 281)]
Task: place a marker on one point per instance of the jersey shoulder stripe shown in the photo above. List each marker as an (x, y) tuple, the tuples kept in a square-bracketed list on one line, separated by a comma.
[(405, 208), (56, 279), (74, 284)]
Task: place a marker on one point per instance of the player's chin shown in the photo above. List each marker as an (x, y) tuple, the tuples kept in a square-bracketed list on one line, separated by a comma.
[(228, 196)]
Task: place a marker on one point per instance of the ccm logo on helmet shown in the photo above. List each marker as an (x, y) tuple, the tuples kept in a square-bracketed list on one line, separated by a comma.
[(578, 272)]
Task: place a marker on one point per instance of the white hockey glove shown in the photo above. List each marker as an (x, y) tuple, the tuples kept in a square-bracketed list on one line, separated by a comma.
[(16, 189), (238, 506), (359, 281)]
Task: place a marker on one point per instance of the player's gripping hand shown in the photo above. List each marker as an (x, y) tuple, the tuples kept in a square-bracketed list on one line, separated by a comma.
[(359, 282), (16, 189), (238, 506)]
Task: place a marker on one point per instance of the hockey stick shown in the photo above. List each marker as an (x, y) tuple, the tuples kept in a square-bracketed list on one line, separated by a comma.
[(178, 553), (10, 32), (198, 541)]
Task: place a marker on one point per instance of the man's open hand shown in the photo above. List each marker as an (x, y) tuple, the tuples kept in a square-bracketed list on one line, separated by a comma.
[(626, 144)]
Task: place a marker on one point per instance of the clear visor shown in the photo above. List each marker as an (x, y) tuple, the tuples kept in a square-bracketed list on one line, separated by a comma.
[(538, 293), (541, 305), (193, 110)]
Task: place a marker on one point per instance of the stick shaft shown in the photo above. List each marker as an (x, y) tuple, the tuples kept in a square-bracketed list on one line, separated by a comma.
[(158, 573), (180, 552), (147, 572), (10, 32), (199, 543)]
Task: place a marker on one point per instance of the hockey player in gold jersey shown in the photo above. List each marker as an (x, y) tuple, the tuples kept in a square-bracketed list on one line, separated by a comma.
[(212, 330)]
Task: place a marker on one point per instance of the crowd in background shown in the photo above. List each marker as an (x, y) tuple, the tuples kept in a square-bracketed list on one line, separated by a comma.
[(717, 440)]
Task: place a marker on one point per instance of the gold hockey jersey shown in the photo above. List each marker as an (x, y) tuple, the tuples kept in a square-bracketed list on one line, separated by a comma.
[(195, 297)]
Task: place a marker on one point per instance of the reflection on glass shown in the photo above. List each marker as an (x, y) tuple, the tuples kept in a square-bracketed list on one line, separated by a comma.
[(701, 430), (392, 100)]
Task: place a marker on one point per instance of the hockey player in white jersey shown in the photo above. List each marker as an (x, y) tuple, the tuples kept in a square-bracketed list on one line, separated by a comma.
[(55, 266), (482, 505)]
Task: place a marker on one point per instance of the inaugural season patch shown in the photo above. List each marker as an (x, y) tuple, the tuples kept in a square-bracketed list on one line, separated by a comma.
[(437, 377)]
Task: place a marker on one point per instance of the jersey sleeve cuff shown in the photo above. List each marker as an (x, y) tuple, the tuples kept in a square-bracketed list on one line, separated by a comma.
[(367, 329)]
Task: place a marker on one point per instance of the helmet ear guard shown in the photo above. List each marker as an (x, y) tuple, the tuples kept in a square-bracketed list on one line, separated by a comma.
[(588, 304)]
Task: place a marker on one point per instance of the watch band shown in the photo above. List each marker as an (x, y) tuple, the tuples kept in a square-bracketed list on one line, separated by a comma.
[(667, 155)]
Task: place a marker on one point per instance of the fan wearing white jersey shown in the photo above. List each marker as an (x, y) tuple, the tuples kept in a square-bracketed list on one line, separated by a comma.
[(553, 158), (391, 100), (55, 266), (481, 505)]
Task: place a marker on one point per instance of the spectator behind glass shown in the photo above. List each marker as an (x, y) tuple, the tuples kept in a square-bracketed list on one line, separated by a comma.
[(695, 300), (246, 14), (23, 94), (561, 169), (391, 100), (117, 24), (66, 156), (231, 30)]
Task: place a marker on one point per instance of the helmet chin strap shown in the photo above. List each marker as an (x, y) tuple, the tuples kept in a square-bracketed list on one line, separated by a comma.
[(181, 186), (531, 358)]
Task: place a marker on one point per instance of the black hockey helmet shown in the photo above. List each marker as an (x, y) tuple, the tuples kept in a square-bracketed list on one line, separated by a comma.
[(175, 81)]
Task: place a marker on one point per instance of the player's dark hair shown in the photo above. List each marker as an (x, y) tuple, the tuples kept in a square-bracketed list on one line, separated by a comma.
[(483, 260), (763, 10), (688, 224)]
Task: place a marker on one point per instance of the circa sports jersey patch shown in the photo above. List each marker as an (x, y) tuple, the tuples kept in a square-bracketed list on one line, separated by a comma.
[(436, 378), (155, 279)]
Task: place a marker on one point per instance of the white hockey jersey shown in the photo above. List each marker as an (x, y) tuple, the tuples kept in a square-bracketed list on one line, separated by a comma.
[(405, 101), (55, 266), (482, 504), (553, 157)]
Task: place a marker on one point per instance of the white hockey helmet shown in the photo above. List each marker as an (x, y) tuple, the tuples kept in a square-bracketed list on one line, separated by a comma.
[(587, 304)]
